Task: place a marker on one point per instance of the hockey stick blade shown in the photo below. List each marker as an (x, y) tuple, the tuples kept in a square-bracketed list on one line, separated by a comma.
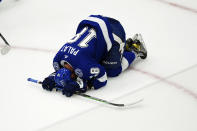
[(5, 50), (92, 97), (110, 103)]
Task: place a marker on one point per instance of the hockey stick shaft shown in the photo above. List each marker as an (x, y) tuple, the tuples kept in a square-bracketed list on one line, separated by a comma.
[(4, 39), (80, 94), (88, 96)]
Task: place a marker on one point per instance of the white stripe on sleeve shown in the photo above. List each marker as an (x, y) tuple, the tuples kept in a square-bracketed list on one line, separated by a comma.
[(103, 78)]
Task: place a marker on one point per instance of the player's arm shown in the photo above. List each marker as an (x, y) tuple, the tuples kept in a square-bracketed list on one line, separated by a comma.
[(98, 77), (63, 79), (74, 86), (56, 62), (49, 82)]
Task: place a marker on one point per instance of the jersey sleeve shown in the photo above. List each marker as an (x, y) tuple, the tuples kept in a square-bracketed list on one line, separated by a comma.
[(97, 76), (56, 62), (100, 80)]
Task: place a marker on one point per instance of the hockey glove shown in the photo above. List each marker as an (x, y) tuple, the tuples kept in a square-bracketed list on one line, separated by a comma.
[(49, 82), (78, 86)]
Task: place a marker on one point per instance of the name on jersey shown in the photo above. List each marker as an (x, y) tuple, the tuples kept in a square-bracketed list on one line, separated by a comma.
[(70, 50)]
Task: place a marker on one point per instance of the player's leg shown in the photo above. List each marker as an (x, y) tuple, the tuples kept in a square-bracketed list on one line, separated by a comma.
[(112, 62), (115, 63), (127, 59), (135, 48)]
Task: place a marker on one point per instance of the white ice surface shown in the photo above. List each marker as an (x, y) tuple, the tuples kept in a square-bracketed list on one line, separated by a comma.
[(38, 28)]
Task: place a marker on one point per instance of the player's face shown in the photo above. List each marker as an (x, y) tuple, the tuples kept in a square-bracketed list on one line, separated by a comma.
[(69, 67)]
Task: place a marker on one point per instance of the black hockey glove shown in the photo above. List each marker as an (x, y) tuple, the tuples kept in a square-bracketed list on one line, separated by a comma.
[(69, 90), (78, 86), (90, 84), (49, 82)]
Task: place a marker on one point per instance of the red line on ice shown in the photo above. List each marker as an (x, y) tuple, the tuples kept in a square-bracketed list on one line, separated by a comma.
[(178, 6), (31, 49), (177, 86), (144, 72)]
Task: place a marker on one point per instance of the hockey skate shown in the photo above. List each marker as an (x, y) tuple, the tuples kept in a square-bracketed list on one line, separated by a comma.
[(136, 44)]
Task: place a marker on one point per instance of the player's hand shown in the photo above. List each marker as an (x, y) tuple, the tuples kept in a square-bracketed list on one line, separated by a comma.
[(68, 91), (49, 83), (73, 87)]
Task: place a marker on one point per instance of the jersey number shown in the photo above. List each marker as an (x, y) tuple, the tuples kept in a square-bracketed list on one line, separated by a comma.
[(84, 43)]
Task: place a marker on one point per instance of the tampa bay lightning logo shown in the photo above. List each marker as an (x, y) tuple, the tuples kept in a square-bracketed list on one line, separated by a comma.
[(79, 72)]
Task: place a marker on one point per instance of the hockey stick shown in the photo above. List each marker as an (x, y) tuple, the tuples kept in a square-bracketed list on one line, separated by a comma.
[(6, 48), (91, 97)]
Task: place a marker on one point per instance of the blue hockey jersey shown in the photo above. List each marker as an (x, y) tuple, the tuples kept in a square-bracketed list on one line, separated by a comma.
[(86, 50)]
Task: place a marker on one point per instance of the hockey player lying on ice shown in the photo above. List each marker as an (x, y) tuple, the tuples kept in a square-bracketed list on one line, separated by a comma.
[(99, 49)]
